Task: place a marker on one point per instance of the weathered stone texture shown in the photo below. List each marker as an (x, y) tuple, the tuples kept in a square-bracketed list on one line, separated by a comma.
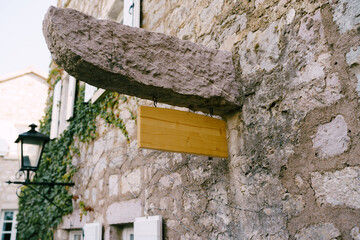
[(142, 63), (260, 50), (332, 138), (346, 14), (338, 188), (325, 231), (123, 212), (8, 198), (355, 234), (353, 60)]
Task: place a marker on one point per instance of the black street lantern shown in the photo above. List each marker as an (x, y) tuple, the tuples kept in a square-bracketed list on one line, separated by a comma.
[(31, 145)]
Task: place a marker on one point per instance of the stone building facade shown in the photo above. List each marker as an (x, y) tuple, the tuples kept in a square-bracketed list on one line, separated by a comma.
[(22, 101), (293, 170)]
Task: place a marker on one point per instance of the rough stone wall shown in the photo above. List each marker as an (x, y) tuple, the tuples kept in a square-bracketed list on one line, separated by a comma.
[(293, 168)]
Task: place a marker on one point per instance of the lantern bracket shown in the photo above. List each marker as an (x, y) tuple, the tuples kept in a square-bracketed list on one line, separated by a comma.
[(31, 146)]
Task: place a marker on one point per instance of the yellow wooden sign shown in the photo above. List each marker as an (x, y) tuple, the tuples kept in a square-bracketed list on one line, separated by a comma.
[(178, 131)]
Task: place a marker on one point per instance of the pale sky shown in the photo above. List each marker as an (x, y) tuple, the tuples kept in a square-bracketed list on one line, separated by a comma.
[(21, 40)]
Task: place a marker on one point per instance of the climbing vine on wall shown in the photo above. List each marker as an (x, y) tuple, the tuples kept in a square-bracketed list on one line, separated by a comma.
[(37, 217)]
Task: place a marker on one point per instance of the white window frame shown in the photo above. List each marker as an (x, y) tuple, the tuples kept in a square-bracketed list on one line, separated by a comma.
[(127, 232), (74, 233), (13, 221), (132, 13), (93, 93), (63, 105), (54, 128)]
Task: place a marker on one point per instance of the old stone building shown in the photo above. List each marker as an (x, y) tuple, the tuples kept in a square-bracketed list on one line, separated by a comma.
[(293, 169), (22, 102)]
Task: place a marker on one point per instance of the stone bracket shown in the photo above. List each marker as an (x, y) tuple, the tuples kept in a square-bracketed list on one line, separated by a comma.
[(141, 63)]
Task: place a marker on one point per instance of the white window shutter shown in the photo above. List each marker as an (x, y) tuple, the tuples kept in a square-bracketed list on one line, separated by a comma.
[(148, 228), (71, 98), (63, 124), (55, 111), (92, 231), (89, 92), (132, 13)]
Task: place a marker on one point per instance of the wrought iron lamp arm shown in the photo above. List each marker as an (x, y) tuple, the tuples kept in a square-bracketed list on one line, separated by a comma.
[(41, 183), (44, 196), (50, 184)]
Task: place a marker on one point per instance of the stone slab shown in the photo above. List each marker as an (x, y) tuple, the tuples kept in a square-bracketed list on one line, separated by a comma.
[(338, 188), (124, 212), (318, 231), (141, 63), (331, 138)]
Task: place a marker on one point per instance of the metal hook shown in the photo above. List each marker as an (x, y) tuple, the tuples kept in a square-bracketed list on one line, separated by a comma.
[(131, 8), (211, 110), (155, 100)]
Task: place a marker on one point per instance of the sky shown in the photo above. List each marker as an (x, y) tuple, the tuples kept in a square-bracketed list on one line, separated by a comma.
[(21, 40)]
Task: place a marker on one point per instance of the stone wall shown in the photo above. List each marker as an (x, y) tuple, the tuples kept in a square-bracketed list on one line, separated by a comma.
[(8, 198), (293, 168)]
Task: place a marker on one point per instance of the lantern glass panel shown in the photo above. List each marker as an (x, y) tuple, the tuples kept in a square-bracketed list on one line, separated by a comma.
[(31, 150)]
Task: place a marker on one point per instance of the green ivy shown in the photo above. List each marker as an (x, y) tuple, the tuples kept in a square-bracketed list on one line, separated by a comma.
[(37, 217)]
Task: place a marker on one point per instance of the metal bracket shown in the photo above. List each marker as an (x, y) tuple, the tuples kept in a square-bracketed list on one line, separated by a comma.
[(155, 101)]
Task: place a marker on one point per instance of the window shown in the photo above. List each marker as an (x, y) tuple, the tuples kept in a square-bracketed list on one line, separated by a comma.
[(8, 224), (76, 235), (128, 233), (63, 105)]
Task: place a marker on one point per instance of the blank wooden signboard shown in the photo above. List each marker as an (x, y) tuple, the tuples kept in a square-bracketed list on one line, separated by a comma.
[(178, 131)]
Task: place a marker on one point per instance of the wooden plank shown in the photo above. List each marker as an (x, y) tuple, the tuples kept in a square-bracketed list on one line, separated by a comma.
[(178, 131)]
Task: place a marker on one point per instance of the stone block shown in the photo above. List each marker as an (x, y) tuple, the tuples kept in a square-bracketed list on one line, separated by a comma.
[(170, 181), (73, 221), (346, 14), (93, 195), (355, 233), (124, 212), (353, 56), (113, 185), (140, 63), (260, 51), (131, 182), (323, 231), (338, 188), (331, 138), (353, 60)]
